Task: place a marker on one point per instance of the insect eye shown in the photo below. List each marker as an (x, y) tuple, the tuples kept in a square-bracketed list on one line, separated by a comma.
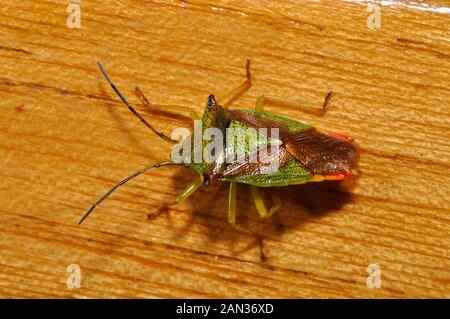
[(205, 179), (211, 101)]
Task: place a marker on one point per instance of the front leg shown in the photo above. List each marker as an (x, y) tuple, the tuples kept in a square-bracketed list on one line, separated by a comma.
[(188, 191), (234, 93), (166, 107)]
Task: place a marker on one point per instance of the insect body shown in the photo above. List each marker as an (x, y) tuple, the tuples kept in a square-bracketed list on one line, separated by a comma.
[(302, 153)]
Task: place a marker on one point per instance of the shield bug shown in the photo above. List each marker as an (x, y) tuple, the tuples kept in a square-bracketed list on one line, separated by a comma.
[(301, 152)]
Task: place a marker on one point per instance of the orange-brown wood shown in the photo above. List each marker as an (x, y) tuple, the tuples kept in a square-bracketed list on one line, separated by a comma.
[(66, 139)]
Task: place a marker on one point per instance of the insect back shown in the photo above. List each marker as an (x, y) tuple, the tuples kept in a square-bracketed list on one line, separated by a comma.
[(219, 142)]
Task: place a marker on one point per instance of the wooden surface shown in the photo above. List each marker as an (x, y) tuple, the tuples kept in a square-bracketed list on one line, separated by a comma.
[(65, 139)]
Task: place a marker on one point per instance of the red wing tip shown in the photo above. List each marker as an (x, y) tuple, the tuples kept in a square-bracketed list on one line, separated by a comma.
[(334, 177), (340, 135), (337, 177)]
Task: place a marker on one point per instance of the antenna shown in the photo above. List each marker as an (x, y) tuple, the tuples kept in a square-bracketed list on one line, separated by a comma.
[(139, 116), (101, 199)]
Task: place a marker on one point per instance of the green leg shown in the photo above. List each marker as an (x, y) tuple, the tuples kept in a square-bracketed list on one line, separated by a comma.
[(232, 204), (188, 191), (232, 220), (266, 99), (164, 107), (259, 203), (232, 209), (230, 96)]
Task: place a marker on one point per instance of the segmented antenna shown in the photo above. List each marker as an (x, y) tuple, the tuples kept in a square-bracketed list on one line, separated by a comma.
[(101, 199), (124, 100)]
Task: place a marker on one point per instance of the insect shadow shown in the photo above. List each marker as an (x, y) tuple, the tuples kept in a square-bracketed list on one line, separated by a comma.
[(302, 204)]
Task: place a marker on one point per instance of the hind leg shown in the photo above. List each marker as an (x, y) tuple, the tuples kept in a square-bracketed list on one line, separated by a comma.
[(267, 99)]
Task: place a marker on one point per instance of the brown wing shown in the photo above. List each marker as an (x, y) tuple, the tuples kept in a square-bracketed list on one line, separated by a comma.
[(321, 154), (265, 163), (252, 120)]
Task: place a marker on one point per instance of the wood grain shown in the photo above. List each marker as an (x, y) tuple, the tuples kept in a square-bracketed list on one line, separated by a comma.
[(65, 139)]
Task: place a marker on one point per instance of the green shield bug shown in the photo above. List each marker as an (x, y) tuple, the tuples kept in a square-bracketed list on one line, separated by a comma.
[(300, 152)]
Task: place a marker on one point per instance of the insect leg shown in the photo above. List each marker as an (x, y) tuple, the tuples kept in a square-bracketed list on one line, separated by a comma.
[(234, 93), (259, 203), (267, 99), (232, 204), (132, 109), (188, 191), (165, 107), (232, 220), (232, 210)]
